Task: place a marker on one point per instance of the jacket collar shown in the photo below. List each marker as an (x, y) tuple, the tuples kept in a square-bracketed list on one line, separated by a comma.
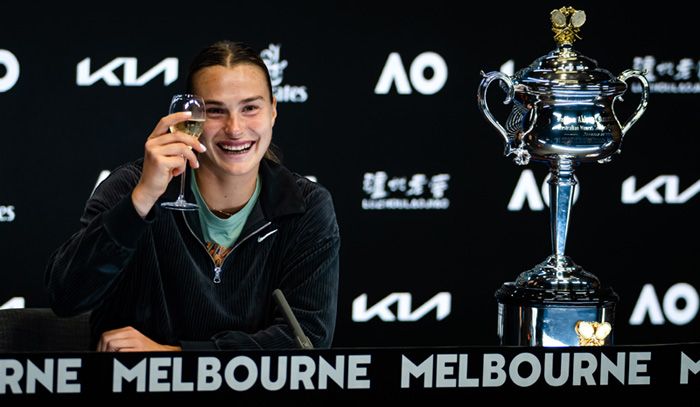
[(279, 196)]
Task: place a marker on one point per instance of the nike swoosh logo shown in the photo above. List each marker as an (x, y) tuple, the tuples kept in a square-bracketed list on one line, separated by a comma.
[(261, 238)]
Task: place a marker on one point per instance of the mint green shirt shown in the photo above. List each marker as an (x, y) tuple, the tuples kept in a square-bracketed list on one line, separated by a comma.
[(223, 232)]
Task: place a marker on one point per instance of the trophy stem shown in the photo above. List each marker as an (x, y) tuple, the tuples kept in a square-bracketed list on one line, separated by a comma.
[(561, 193)]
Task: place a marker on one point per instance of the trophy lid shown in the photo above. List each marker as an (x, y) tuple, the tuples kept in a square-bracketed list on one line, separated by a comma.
[(564, 70)]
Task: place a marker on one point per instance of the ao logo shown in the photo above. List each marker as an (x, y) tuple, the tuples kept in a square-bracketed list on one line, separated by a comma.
[(101, 177), (536, 197), (7, 213), (13, 303), (395, 73), (648, 304), (11, 64), (508, 67)]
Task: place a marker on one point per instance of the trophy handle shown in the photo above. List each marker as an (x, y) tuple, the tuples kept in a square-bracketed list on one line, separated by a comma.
[(633, 73), (483, 106)]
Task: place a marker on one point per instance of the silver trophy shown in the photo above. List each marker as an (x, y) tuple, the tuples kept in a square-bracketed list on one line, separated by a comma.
[(563, 115)]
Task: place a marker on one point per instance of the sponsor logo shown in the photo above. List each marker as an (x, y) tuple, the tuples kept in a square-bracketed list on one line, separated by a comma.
[(658, 312), (276, 67), (662, 189), (394, 73), (11, 65), (415, 192), (536, 197), (668, 76), (441, 303), (7, 213), (168, 67)]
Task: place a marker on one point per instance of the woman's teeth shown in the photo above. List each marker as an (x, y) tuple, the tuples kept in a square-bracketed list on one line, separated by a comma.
[(238, 149)]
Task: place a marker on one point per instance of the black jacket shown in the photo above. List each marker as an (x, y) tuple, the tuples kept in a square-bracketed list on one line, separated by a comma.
[(157, 276)]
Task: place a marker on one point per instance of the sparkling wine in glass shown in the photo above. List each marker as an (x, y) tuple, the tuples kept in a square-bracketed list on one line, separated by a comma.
[(194, 127)]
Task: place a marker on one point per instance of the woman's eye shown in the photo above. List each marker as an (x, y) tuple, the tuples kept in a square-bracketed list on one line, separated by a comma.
[(215, 111)]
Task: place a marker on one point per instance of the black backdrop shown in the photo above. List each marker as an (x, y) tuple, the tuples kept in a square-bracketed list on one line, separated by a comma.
[(445, 237)]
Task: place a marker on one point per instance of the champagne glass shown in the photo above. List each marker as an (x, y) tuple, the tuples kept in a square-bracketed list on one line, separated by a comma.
[(192, 126)]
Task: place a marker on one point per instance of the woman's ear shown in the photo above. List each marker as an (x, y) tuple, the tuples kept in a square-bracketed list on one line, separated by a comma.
[(274, 110)]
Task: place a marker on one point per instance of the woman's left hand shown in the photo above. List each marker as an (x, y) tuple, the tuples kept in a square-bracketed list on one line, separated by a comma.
[(128, 339)]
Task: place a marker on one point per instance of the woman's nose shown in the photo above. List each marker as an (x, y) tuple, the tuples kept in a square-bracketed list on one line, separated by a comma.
[(233, 125)]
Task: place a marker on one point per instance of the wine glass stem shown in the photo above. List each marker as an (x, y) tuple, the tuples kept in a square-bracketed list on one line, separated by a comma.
[(182, 184)]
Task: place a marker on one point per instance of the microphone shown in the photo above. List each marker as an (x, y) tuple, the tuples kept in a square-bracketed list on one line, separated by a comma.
[(302, 340)]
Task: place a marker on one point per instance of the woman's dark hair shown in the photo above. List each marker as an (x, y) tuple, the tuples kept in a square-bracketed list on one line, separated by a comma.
[(229, 54)]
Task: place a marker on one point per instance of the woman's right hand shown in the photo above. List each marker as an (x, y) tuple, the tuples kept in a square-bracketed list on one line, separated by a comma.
[(163, 160)]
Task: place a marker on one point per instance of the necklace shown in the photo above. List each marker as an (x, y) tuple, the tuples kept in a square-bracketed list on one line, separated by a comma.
[(221, 213)]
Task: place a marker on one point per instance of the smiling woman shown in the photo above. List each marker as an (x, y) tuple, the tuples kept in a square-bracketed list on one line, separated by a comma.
[(166, 280), (229, 54), (237, 132)]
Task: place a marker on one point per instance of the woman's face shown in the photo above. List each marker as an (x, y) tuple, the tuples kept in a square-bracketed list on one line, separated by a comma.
[(240, 117)]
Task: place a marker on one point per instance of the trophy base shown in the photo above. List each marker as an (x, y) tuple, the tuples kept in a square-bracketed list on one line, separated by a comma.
[(556, 304)]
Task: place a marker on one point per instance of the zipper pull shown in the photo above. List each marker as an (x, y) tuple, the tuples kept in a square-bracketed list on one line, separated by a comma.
[(217, 275)]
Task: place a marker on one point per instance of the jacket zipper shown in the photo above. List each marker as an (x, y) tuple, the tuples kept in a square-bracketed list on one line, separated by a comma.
[(217, 269)]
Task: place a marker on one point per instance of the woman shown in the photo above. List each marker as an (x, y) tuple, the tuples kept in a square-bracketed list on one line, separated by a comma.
[(157, 279)]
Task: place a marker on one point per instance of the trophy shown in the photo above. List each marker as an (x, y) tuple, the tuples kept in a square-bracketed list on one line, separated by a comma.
[(562, 115)]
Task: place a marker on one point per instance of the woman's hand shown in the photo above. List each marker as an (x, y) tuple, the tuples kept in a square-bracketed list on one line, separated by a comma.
[(163, 160), (128, 339)]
